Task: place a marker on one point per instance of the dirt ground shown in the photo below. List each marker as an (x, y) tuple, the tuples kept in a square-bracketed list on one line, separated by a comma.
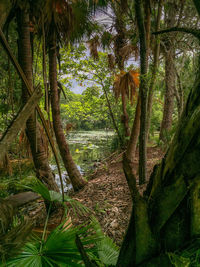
[(108, 197)]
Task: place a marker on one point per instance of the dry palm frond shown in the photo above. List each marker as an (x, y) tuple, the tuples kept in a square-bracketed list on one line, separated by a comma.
[(129, 50), (12, 237), (59, 13), (93, 44), (125, 84), (111, 61)]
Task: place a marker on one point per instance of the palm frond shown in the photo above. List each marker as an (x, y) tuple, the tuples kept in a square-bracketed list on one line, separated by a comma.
[(128, 50), (107, 250), (125, 84), (106, 39), (53, 196), (59, 249), (93, 45), (13, 237)]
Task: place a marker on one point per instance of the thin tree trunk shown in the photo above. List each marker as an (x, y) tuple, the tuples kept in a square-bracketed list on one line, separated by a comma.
[(147, 23), (179, 95), (40, 160), (120, 42), (72, 170), (124, 117), (132, 145), (170, 75), (143, 91), (170, 78), (113, 118), (156, 53)]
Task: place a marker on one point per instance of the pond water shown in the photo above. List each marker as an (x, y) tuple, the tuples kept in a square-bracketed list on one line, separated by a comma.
[(88, 148)]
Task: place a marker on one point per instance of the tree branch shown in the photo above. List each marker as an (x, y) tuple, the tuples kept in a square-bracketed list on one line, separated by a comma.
[(194, 32)]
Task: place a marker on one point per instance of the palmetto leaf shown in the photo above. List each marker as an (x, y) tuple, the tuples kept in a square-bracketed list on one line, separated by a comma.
[(52, 196), (125, 84), (58, 250), (107, 251), (12, 236)]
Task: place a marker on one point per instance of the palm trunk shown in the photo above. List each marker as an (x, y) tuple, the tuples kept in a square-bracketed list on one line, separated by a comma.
[(72, 170), (40, 159)]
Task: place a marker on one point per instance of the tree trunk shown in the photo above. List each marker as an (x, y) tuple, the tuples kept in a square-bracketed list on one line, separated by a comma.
[(143, 91), (132, 145), (170, 74), (156, 53), (124, 117), (167, 216), (72, 170), (170, 78), (113, 118), (40, 159)]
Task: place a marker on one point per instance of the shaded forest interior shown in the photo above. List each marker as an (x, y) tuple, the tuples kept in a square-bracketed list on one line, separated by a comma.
[(99, 133)]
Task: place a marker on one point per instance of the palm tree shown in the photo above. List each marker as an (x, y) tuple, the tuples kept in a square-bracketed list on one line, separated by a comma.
[(125, 85), (62, 22), (40, 159)]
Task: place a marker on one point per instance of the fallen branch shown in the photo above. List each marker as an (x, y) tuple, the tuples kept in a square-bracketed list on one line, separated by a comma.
[(18, 122)]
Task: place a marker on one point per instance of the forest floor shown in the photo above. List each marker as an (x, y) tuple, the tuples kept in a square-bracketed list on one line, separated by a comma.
[(107, 195)]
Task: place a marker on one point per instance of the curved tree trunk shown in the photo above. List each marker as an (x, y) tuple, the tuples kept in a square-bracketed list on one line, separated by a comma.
[(40, 159), (72, 170)]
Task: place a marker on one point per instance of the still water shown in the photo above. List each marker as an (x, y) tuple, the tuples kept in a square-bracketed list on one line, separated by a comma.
[(88, 148)]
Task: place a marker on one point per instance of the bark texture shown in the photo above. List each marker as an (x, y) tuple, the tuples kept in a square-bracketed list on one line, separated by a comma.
[(143, 91), (132, 145), (156, 53), (72, 170), (170, 80), (40, 160), (167, 216), (170, 74)]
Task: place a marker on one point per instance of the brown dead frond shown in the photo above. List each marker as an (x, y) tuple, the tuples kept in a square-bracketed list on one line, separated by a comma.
[(128, 50), (93, 45), (13, 237), (125, 84)]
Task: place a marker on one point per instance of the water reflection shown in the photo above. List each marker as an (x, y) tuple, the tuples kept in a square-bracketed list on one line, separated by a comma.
[(87, 149)]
